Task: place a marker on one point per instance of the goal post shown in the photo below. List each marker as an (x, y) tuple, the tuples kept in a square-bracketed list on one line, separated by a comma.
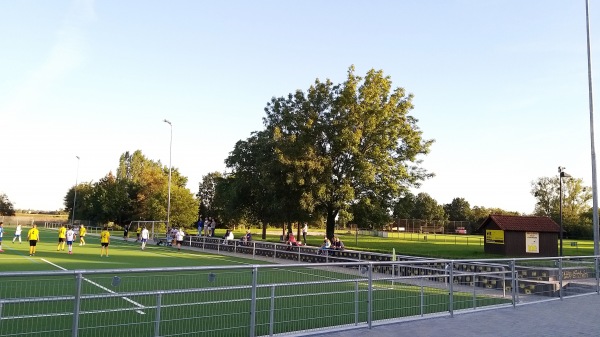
[(156, 228)]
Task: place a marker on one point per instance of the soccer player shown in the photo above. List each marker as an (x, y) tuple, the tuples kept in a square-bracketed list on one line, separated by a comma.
[(70, 238), (179, 237), (104, 241), (1, 233), (144, 237), (82, 231), (62, 236), (33, 236), (18, 231)]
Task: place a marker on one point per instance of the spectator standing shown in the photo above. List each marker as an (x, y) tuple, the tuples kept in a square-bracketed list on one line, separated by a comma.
[(304, 231), (1, 234), (213, 225), (18, 231), (126, 232), (200, 225)]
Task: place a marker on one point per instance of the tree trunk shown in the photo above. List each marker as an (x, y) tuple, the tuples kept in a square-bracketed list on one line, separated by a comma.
[(330, 229), (264, 231)]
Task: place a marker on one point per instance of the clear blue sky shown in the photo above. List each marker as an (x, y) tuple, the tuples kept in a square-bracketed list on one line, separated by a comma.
[(500, 85)]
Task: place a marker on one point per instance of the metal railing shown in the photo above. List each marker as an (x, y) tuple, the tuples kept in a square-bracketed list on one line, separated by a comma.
[(277, 299)]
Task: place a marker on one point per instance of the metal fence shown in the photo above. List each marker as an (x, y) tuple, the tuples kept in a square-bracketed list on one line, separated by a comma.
[(320, 292)]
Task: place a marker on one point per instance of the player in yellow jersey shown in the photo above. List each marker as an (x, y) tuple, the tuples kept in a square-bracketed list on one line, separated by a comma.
[(104, 241), (33, 236), (62, 236), (82, 232)]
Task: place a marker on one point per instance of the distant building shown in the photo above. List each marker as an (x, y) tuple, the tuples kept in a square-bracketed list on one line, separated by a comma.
[(514, 235)]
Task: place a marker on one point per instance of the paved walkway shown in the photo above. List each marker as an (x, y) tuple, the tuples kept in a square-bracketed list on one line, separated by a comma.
[(572, 316)]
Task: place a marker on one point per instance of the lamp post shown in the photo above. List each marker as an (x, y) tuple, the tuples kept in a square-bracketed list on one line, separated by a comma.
[(169, 197), (595, 219), (561, 174), (75, 189)]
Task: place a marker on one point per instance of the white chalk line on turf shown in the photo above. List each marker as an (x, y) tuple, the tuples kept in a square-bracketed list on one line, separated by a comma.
[(103, 288)]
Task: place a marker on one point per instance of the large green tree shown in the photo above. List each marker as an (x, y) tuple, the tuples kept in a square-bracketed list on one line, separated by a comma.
[(576, 215), (427, 208), (6, 207), (458, 210), (206, 194), (262, 183), (340, 143)]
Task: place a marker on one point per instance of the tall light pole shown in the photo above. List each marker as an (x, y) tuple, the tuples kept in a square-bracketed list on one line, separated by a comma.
[(593, 150), (169, 198), (561, 174), (75, 189)]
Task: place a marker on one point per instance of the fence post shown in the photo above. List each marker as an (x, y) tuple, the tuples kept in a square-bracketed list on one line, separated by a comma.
[(272, 311), (157, 315), (597, 275), (76, 304), (356, 299), (560, 278), (474, 292), (422, 297), (253, 249), (253, 301), (370, 297), (451, 288)]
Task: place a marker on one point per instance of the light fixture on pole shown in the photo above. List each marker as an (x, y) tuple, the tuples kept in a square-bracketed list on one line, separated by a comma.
[(561, 174), (169, 197), (75, 190)]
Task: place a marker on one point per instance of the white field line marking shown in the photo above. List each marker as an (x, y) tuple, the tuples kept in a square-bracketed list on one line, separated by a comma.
[(103, 288)]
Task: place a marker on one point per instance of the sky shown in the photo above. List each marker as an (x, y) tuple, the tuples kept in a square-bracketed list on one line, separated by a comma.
[(500, 85)]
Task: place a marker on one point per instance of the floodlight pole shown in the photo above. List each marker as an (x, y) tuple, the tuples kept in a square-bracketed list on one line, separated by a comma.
[(75, 190), (169, 197), (593, 148)]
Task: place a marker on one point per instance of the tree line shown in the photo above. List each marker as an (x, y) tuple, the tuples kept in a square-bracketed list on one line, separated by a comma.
[(332, 154), (138, 191)]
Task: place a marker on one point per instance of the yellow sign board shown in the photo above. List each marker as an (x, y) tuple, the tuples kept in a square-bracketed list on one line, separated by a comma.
[(494, 236), (532, 242)]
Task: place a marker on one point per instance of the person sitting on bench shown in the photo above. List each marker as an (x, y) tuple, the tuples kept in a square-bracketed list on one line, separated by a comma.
[(292, 240)]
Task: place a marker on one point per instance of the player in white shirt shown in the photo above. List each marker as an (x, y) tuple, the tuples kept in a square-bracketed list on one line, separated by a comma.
[(18, 231), (70, 238), (144, 235), (179, 238)]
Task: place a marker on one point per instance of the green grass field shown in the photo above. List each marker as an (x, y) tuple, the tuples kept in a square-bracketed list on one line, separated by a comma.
[(215, 301), (445, 246)]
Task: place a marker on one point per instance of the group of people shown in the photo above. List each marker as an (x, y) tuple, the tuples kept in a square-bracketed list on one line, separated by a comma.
[(175, 237), (334, 244), (66, 235), (229, 237), (207, 227)]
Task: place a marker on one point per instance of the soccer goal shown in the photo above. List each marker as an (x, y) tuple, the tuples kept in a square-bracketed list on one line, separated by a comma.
[(157, 229)]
